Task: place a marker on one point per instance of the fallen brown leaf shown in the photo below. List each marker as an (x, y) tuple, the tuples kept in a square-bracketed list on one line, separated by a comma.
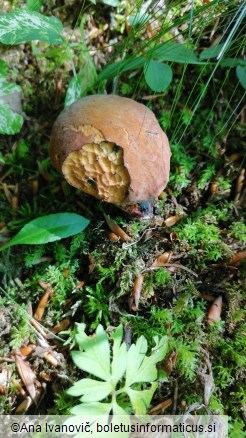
[(169, 362), (43, 301), (237, 258), (172, 220), (25, 350), (116, 229), (24, 406), (50, 358), (162, 259), (113, 237), (62, 325), (137, 289), (26, 374)]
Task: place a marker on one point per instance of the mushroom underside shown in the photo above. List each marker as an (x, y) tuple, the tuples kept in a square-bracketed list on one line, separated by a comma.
[(98, 169)]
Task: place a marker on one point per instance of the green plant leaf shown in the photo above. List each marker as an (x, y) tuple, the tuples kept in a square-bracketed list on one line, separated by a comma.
[(119, 67), (135, 357), (73, 91), (10, 122), (147, 370), (127, 368), (173, 52), (118, 366), (140, 400), (3, 68), (94, 408), (22, 25), (139, 18), (48, 228), (211, 52), (34, 5), (157, 75), (95, 355), (91, 390), (232, 62), (241, 75), (8, 88)]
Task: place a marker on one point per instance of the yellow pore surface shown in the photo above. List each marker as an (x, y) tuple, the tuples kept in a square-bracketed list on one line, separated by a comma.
[(98, 169)]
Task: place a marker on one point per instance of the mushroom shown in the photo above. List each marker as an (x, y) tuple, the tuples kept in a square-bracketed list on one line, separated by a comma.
[(114, 149)]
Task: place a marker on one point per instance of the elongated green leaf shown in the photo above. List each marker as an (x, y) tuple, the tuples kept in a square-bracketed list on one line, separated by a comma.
[(91, 390), (173, 52), (211, 52), (49, 228), (117, 68), (158, 75), (140, 18), (22, 25), (233, 62), (241, 74), (10, 122)]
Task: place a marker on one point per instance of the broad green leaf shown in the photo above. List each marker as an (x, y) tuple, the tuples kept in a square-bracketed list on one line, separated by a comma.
[(94, 408), (34, 5), (173, 52), (73, 91), (91, 390), (211, 52), (119, 359), (9, 88), (49, 228), (22, 25), (135, 357), (140, 400), (95, 359), (157, 75), (10, 122), (241, 75)]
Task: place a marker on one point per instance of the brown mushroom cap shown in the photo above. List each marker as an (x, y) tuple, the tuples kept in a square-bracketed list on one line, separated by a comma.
[(112, 148)]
